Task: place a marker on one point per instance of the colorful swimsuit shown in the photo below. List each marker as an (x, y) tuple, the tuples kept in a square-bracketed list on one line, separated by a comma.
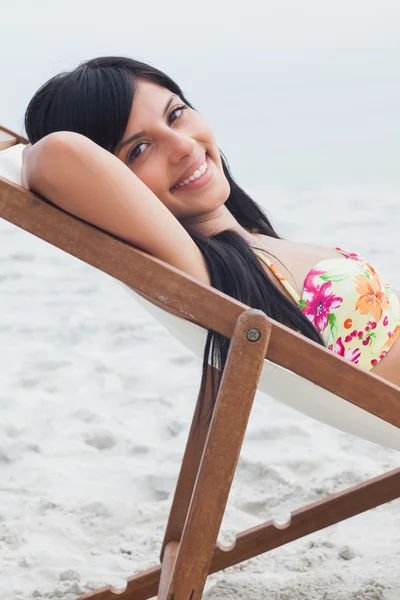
[(357, 314)]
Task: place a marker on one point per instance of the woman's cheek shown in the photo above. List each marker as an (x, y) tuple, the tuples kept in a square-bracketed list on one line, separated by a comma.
[(149, 177)]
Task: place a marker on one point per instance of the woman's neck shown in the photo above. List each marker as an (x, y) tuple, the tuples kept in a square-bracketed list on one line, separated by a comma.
[(215, 222)]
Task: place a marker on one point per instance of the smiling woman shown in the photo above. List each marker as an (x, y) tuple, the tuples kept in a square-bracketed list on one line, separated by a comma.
[(116, 143), (172, 149)]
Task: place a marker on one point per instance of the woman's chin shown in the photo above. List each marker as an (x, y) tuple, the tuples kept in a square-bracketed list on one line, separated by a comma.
[(198, 203)]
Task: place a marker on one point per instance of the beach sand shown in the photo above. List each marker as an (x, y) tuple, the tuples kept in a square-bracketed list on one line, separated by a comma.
[(95, 404)]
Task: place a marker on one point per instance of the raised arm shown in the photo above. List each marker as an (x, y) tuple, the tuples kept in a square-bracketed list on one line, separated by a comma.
[(85, 180)]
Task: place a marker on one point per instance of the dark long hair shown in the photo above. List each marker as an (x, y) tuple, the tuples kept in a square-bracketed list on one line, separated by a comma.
[(95, 100)]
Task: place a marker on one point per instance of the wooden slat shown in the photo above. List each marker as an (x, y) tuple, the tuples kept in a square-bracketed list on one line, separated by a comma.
[(309, 519), (188, 472), (20, 139), (139, 587), (7, 144), (265, 537), (195, 301), (221, 453), (167, 567)]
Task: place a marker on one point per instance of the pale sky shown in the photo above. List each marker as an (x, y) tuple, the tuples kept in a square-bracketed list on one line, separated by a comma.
[(298, 92)]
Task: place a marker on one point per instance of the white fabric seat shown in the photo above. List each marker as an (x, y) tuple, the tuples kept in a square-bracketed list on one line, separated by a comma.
[(277, 382)]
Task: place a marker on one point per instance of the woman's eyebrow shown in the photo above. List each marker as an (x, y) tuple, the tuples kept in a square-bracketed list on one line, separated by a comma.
[(141, 133)]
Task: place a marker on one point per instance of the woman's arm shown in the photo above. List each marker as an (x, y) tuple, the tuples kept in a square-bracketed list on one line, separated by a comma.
[(85, 180)]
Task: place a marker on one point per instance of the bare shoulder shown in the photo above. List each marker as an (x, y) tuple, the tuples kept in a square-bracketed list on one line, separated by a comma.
[(295, 260), (304, 251)]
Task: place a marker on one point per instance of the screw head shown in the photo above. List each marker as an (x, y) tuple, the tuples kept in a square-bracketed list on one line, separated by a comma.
[(253, 335)]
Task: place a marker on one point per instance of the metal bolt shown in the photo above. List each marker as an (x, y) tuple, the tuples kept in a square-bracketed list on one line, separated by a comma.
[(253, 335)]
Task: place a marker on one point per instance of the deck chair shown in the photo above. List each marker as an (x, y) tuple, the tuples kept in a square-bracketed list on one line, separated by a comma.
[(263, 354)]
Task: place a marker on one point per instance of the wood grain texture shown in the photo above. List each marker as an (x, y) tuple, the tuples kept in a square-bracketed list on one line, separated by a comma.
[(167, 566), (221, 453)]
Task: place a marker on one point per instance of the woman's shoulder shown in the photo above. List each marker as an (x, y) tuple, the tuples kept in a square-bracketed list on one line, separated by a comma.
[(302, 251), (301, 254), (295, 259)]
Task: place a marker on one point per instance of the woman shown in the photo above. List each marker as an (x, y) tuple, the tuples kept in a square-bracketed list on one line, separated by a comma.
[(116, 143)]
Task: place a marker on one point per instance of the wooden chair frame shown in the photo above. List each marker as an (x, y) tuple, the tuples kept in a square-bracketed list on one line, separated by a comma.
[(190, 551)]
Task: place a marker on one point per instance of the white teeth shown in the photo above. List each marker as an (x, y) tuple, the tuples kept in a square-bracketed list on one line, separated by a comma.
[(196, 175)]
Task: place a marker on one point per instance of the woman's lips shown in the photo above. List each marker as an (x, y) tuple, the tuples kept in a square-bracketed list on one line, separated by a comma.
[(197, 183)]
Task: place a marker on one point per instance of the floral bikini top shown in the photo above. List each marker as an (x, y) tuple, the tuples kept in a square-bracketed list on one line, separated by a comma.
[(357, 314)]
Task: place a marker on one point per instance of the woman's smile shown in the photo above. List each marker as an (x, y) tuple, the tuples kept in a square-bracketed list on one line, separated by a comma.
[(198, 178)]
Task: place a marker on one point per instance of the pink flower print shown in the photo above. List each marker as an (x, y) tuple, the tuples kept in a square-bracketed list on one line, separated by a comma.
[(386, 321), (352, 354), (319, 304), (312, 278), (350, 255), (339, 347)]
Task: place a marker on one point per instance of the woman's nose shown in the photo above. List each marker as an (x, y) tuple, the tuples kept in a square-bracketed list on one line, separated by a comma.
[(179, 146)]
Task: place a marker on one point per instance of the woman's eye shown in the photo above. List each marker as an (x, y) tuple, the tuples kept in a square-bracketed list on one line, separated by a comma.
[(133, 153), (173, 112)]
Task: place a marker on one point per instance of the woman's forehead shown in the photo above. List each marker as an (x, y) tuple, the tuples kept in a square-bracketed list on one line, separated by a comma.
[(149, 94), (150, 101)]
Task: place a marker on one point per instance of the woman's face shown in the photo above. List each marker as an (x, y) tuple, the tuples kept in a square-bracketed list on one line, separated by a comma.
[(173, 144)]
